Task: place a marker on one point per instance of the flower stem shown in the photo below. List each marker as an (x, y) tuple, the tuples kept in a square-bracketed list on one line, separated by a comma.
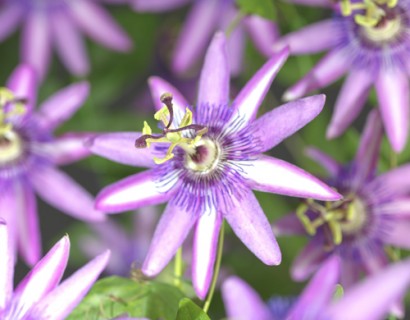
[(208, 300), (178, 268)]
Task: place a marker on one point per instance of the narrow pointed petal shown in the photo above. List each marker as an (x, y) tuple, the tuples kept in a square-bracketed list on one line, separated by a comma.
[(364, 301), (195, 34), (330, 68), (62, 300), (397, 208), (69, 43), (65, 149), (63, 104), (350, 273), (276, 125), (8, 213), (242, 302), (36, 42), (392, 88), (313, 38), (350, 101), (263, 32), (204, 251), (10, 17), (28, 230), (398, 234), (395, 183), (308, 260), (169, 235), (236, 50), (327, 163), (120, 147), (273, 175), (251, 226), (157, 5), (62, 192), (288, 225), (374, 259), (251, 96), (214, 79), (43, 278), (319, 292), (132, 192), (6, 266), (98, 24)]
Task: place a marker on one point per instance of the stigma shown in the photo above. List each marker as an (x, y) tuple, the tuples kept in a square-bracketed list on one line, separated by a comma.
[(186, 135)]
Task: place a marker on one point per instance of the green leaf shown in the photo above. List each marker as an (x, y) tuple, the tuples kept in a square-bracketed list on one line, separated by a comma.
[(188, 310), (263, 8), (115, 296)]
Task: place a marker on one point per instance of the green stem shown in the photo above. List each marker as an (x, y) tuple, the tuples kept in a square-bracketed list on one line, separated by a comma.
[(208, 300), (178, 268)]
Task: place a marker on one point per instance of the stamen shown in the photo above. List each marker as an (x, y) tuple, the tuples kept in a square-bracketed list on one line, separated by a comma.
[(173, 136), (9, 106)]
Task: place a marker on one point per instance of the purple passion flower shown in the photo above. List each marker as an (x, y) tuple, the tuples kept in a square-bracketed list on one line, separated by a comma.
[(59, 23), (39, 295), (371, 43), (214, 160), (368, 300), (206, 17), (372, 215), (29, 155)]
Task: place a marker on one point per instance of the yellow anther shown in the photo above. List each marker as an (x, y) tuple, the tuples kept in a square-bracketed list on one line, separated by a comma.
[(162, 115), (7, 97)]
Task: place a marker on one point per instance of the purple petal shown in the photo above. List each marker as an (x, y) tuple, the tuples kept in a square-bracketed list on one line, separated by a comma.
[(395, 182), (10, 17), (132, 192), (43, 278), (214, 79), (328, 70), (269, 174), (251, 96), (286, 119), (59, 190), (328, 163), (314, 3), (120, 147), (365, 300), (242, 302), (373, 259), (308, 260), (204, 251), (171, 232), (6, 266), (398, 234), (195, 34), (392, 88), (318, 293), (157, 5), (252, 227), (69, 43), (288, 225), (36, 42), (99, 25), (65, 149), (263, 32), (350, 273), (58, 303), (313, 38), (9, 206), (350, 101), (63, 104), (397, 208)]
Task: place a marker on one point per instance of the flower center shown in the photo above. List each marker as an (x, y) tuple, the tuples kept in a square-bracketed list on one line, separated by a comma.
[(346, 217), (205, 158), (11, 147), (385, 31)]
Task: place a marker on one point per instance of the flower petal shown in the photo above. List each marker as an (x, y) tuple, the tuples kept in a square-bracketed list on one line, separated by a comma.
[(132, 192), (350, 101), (288, 225), (392, 88), (242, 302), (399, 208), (214, 79), (235, 43), (263, 32), (328, 163), (195, 34), (120, 147), (59, 190), (308, 260), (273, 175), (43, 278), (330, 68), (69, 43), (62, 105), (157, 5), (6, 266), (276, 125), (10, 17), (58, 303), (251, 226), (251, 96), (398, 234), (204, 251), (98, 24), (314, 3), (169, 235), (364, 301)]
